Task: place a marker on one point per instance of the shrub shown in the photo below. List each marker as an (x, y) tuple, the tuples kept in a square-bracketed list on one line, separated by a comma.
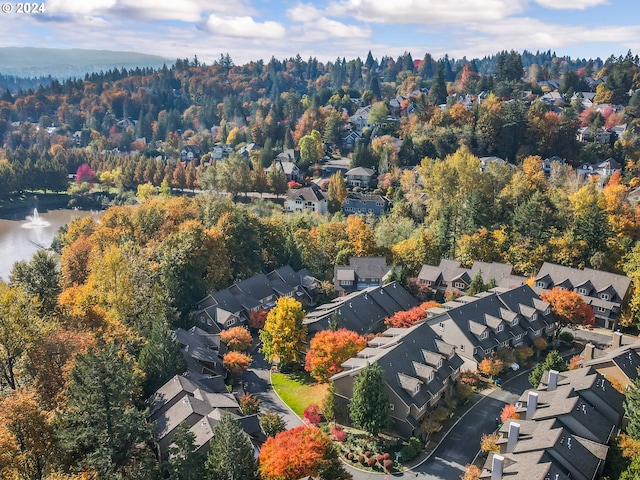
[(361, 459), (387, 465), (411, 451), (386, 456), (249, 404), (566, 337), (371, 462), (523, 352), (575, 362), (540, 343), (488, 443), (367, 454), (380, 458), (338, 434), (312, 414)]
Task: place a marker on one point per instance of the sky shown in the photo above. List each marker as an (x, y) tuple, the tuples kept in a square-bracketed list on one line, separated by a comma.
[(327, 29)]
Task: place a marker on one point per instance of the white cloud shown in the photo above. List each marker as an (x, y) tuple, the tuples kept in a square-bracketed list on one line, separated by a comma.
[(79, 7), (426, 11), (303, 12), (570, 4), (245, 27)]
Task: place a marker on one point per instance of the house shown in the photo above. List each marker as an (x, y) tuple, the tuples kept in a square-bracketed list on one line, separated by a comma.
[(563, 430), (197, 403), (291, 171), (232, 306), (361, 273), (586, 98), (607, 293), (502, 274), (449, 274), (365, 204), (633, 196), (479, 326), (288, 155), (360, 119), (350, 139), (202, 351), (420, 371), (306, 198), (553, 98), (549, 162), (360, 177), (339, 165), (618, 362), (486, 161), (190, 152), (608, 168), (246, 150), (221, 151), (362, 311), (601, 135)]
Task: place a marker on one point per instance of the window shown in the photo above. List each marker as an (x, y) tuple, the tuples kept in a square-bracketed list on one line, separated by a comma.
[(462, 347), (500, 328), (582, 291), (540, 284), (230, 322), (441, 326), (602, 309), (459, 285), (417, 388), (345, 282), (538, 333), (428, 283), (604, 296), (440, 363), (391, 406), (514, 323), (547, 311), (430, 377), (534, 316), (485, 334)]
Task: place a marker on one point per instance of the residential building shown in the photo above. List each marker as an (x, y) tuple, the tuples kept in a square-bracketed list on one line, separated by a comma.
[(306, 198), (618, 362), (291, 171), (202, 351), (360, 177), (607, 293), (361, 273), (365, 204), (362, 311), (196, 402), (360, 119), (190, 152), (420, 371), (563, 430), (232, 306), (478, 326)]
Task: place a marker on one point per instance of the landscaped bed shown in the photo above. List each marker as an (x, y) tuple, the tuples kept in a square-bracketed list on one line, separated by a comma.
[(298, 390)]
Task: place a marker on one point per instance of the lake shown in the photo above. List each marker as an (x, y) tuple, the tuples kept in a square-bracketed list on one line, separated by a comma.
[(19, 238)]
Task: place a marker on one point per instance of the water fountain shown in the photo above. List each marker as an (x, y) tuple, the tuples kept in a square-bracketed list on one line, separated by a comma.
[(34, 221)]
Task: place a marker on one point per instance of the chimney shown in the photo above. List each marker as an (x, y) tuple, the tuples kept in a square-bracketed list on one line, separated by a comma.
[(617, 340), (496, 467), (588, 351), (512, 439), (553, 380), (532, 404)]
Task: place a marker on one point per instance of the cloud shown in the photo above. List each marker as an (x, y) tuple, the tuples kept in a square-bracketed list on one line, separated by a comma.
[(303, 12), (244, 27), (570, 4), (426, 11)]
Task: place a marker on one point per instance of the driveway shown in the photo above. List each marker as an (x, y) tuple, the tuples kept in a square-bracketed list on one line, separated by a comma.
[(256, 381)]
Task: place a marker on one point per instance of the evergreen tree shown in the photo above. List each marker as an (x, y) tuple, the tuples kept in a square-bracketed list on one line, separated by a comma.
[(184, 462), (231, 456), (369, 408), (476, 285), (40, 278), (438, 92), (160, 358), (553, 362), (632, 409), (102, 429)]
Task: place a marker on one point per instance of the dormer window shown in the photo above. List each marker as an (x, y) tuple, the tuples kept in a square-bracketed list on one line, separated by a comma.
[(431, 375), (416, 389), (440, 363), (484, 335), (534, 317), (459, 285), (604, 296), (441, 326), (230, 322), (500, 328), (540, 284), (582, 291), (514, 323), (547, 311)]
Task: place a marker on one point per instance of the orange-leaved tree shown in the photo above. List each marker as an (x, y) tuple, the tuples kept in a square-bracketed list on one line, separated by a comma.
[(509, 411), (408, 318), (491, 365), (568, 307), (329, 349), (300, 452), (236, 362), (471, 472), (236, 338)]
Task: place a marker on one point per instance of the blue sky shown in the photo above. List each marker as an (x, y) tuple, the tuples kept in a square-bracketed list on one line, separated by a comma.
[(254, 29)]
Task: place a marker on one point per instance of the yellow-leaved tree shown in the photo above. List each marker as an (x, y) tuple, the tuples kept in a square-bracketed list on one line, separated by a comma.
[(283, 333)]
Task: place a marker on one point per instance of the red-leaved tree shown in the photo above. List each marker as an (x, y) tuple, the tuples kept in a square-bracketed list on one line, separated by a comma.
[(257, 319), (569, 307), (408, 318), (85, 174), (236, 338), (329, 349), (312, 414), (236, 362), (300, 452)]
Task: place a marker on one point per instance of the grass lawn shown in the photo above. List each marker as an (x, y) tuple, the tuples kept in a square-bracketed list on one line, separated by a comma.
[(298, 390)]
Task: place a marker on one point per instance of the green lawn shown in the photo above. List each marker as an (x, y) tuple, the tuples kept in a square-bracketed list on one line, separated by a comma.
[(298, 390)]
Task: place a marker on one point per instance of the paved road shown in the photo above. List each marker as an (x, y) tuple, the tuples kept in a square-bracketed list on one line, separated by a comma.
[(257, 382), (461, 445)]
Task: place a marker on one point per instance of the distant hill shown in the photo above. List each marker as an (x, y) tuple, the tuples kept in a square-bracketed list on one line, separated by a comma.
[(75, 62)]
